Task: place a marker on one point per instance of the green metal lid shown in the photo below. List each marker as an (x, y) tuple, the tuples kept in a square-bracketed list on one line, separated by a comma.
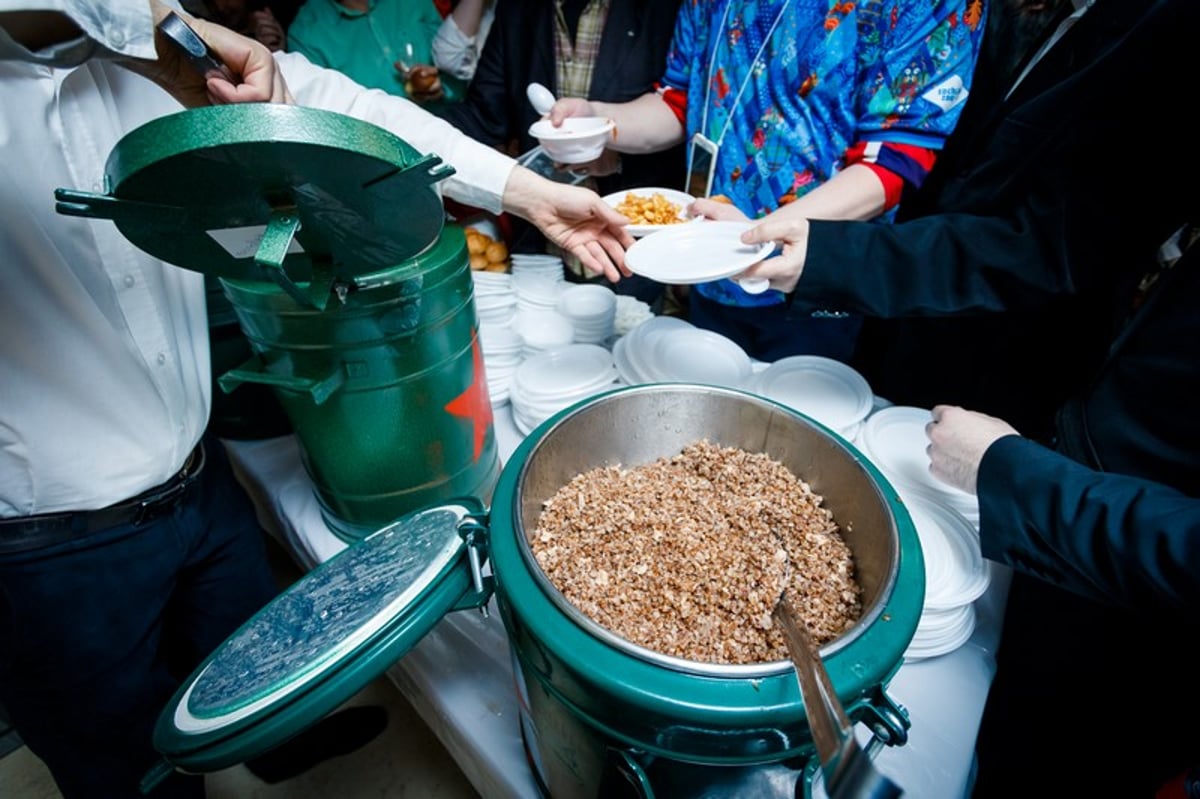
[(261, 191), (323, 639)]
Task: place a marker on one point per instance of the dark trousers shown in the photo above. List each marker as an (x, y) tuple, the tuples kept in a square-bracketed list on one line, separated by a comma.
[(1088, 700), (97, 633), (775, 331)]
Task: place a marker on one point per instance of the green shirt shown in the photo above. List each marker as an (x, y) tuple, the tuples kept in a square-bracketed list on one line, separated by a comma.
[(365, 45)]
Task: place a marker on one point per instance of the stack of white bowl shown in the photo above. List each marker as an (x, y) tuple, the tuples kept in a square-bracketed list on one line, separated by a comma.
[(591, 309), (502, 347), (542, 330), (549, 381), (666, 349), (956, 575), (823, 389), (537, 281), (495, 300)]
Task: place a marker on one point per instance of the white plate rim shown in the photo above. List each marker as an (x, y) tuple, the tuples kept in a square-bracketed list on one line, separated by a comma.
[(665, 269), (812, 364)]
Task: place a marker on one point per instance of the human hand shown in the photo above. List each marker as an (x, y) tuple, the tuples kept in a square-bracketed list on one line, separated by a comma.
[(422, 82), (256, 75), (574, 218), (958, 440), (268, 30), (716, 209), (783, 271), (570, 107)]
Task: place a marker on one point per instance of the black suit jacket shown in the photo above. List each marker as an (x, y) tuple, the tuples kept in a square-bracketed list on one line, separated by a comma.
[(1008, 272), (520, 50)]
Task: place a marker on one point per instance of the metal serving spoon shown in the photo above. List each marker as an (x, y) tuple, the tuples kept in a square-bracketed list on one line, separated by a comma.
[(847, 769)]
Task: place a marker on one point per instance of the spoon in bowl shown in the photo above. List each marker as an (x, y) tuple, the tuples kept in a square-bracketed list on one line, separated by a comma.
[(541, 98)]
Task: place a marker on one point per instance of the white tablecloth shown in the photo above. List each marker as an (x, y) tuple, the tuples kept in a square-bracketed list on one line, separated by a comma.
[(459, 677)]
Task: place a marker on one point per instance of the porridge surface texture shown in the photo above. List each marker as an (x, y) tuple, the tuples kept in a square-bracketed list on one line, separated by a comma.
[(688, 555)]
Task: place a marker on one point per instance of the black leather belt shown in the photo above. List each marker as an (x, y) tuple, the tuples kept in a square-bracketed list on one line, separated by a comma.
[(26, 533)]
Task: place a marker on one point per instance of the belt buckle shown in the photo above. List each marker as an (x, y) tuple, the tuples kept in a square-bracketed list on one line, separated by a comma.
[(160, 504), (152, 508)]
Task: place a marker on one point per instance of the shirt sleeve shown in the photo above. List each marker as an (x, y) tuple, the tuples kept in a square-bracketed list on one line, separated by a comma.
[(1105, 536), (111, 28), (686, 42), (481, 172), (454, 51), (916, 70)]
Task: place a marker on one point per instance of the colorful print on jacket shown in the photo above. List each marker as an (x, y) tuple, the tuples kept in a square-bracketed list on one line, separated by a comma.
[(832, 74)]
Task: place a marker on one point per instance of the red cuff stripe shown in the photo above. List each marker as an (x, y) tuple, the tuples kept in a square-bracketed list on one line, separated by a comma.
[(894, 164), (676, 100)]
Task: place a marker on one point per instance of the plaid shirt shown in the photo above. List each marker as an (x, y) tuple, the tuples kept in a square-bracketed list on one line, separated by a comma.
[(573, 71), (574, 62)]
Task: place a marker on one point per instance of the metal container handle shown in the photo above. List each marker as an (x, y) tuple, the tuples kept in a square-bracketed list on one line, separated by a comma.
[(625, 764), (254, 371)]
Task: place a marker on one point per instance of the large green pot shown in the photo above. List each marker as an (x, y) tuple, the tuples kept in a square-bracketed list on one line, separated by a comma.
[(385, 389), (328, 236), (591, 701)]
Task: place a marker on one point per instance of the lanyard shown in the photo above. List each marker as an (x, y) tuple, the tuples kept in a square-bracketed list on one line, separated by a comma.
[(749, 74)]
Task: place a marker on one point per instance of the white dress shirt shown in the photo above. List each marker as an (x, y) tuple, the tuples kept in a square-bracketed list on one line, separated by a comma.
[(457, 53), (104, 358)]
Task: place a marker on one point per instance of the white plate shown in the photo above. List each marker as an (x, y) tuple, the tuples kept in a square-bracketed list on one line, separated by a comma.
[(955, 572), (693, 355), (695, 253), (682, 199), (941, 632), (563, 372), (642, 341), (896, 439), (827, 390)]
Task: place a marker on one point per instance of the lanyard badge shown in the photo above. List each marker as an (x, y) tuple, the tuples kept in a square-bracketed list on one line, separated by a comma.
[(702, 165)]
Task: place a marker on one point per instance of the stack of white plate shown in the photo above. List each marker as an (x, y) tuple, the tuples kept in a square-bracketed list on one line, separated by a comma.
[(670, 350), (826, 390), (628, 349), (549, 381), (894, 439), (956, 575), (502, 348), (592, 309), (541, 329), (495, 300)]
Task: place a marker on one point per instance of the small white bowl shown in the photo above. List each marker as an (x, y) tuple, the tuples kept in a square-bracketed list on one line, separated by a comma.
[(577, 141)]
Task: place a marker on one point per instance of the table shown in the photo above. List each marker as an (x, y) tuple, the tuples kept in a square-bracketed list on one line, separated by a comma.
[(459, 678)]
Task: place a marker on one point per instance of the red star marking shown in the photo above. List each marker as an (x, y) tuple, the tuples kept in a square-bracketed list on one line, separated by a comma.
[(474, 403)]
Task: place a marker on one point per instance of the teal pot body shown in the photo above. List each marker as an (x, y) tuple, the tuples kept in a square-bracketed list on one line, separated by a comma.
[(594, 706), (384, 387)]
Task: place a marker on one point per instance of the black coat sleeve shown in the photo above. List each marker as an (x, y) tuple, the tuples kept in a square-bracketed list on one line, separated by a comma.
[(1109, 537)]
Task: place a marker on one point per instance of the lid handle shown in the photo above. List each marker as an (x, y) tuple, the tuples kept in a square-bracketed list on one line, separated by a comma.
[(273, 249)]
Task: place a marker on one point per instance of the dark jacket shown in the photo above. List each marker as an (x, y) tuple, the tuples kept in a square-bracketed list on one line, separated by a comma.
[(1002, 287), (1009, 271), (520, 50), (1132, 541)]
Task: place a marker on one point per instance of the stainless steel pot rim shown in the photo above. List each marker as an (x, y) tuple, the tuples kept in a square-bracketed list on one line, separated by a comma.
[(749, 671)]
